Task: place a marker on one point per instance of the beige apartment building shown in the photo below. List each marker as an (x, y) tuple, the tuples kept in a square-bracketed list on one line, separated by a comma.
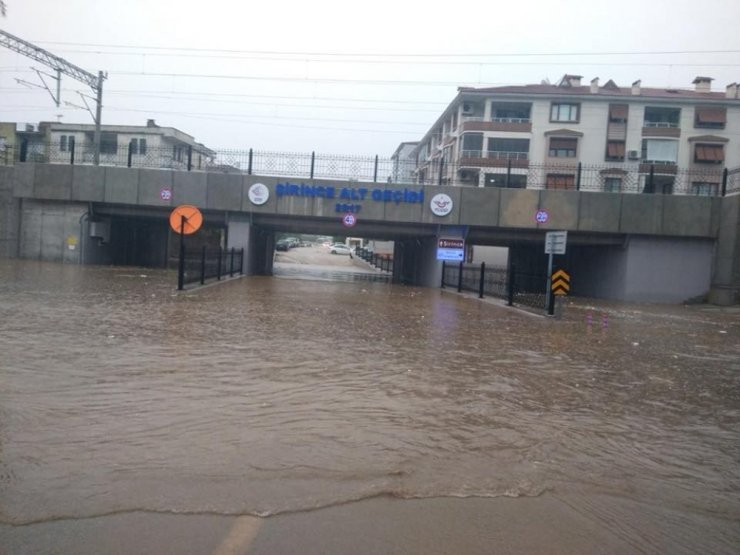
[(594, 137)]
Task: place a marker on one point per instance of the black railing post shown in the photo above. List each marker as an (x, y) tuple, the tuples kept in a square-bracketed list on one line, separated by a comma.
[(72, 153), (203, 266), (190, 157), (441, 169), (231, 263), (24, 151), (508, 173), (181, 264), (241, 266), (442, 285), (218, 267), (512, 274), (578, 176), (650, 187), (375, 171), (249, 163), (725, 173), (551, 298), (130, 152), (482, 279), (313, 162), (460, 277)]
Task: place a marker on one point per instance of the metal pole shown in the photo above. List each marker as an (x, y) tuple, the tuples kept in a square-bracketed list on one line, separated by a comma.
[(441, 169), (72, 152), (651, 186), (548, 293), (130, 152), (241, 266), (203, 266), (442, 285), (218, 268), (578, 177), (459, 278), (249, 166), (181, 265), (375, 173), (724, 182), (482, 279), (190, 157), (508, 173), (512, 274), (98, 117), (24, 151), (313, 161), (231, 263)]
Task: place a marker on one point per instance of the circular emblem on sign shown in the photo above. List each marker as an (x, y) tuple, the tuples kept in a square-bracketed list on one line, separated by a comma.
[(349, 220), (258, 194), (165, 194), (441, 204), (542, 216)]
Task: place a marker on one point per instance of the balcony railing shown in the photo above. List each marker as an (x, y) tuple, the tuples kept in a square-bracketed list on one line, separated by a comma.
[(511, 120), (494, 154), (662, 124)]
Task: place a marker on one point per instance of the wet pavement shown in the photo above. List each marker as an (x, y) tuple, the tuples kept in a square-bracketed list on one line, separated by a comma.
[(266, 396)]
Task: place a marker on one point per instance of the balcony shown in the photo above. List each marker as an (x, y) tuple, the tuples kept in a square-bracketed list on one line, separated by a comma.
[(493, 158), (514, 125)]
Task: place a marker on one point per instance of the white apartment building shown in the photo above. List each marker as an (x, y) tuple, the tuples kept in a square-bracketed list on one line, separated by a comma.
[(146, 146), (404, 163), (568, 136)]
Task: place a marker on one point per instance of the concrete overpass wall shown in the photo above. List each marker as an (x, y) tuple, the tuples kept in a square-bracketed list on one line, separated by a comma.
[(258, 245), (9, 215)]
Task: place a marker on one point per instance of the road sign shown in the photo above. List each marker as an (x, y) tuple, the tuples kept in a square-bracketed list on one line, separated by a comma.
[(542, 216), (451, 249), (165, 193), (349, 219), (560, 282), (555, 242), (193, 219)]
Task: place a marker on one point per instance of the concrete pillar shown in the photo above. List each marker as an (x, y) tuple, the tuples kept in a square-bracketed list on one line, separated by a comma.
[(725, 289), (258, 245)]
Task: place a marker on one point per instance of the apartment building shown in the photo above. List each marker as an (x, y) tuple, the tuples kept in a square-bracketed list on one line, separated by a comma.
[(147, 145), (596, 137)]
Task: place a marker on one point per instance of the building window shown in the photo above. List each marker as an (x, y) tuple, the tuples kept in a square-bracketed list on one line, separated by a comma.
[(612, 184), (710, 118), (662, 117), (618, 113), (564, 112), (108, 143), (63, 143), (615, 151), (560, 181), (508, 149), (138, 146), (704, 189), (472, 145), (511, 112), (515, 180), (709, 154), (563, 148), (661, 151)]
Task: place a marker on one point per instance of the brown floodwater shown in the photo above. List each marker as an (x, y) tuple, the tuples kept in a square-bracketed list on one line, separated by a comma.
[(265, 395)]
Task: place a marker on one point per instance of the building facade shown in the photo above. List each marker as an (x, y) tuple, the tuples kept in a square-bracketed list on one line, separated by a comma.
[(147, 145), (569, 136)]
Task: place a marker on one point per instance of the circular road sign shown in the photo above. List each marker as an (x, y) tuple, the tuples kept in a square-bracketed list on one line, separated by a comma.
[(165, 193), (193, 219), (259, 194), (441, 204), (542, 216), (349, 219)]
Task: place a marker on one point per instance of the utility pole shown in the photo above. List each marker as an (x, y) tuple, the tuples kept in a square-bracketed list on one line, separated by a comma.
[(60, 65)]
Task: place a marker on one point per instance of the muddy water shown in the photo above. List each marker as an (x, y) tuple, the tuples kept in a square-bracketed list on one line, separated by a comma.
[(265, 395)]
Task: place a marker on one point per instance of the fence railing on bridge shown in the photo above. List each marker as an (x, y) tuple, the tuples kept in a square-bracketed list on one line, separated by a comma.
[(201, 265), (489, 171), (504, 283)]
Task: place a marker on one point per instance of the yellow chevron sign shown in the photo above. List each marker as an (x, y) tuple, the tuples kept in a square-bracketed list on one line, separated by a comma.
[(560, 283)]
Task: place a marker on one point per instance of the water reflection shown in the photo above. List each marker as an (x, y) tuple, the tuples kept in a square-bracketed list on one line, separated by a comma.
[(264, 395)]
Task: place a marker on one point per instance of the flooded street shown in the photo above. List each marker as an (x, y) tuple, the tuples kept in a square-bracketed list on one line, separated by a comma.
[(263, 396)]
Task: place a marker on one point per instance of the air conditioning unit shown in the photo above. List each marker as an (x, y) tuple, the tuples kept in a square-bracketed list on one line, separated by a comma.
[(633, 154), (467, 109)]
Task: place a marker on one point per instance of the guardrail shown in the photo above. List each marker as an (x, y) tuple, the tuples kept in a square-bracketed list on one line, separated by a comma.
[(383, 262), (203, 264)]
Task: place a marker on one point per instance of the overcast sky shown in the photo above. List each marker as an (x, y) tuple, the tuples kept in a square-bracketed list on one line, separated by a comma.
[(346, 77)]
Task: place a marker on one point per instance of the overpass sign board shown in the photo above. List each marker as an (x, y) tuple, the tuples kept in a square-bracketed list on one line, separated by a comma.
[(451, 249), (555, 242)]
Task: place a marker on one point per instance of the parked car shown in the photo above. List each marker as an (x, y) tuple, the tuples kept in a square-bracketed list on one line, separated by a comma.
[(282, 246), (338, 248)]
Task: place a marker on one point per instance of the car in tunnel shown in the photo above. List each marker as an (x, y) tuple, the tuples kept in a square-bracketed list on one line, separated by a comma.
[(341, 249), (282, 246)]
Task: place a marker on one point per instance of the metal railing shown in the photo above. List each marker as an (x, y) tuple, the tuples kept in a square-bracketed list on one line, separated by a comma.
[(201, 265), (504, 283), (383, 262), (510, 120), (498, 167)]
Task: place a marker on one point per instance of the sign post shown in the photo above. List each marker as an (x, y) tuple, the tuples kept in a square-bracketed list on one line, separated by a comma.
[(555, 243), (185, 219)]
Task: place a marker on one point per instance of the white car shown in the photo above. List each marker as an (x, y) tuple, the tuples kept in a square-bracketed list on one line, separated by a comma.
[(340, 249)]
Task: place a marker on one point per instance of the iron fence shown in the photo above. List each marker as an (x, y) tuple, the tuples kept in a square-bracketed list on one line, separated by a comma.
[(515, 287), (485, 169), (203, 264), (383, 262)]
